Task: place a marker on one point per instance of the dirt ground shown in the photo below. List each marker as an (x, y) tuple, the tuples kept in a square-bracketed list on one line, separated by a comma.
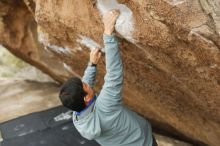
[(23, 97)]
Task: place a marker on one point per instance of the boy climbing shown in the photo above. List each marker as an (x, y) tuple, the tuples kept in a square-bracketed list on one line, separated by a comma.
[(104, 117)]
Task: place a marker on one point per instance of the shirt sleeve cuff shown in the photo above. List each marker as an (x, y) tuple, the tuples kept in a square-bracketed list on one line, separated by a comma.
[(109, 38), (90, 66)]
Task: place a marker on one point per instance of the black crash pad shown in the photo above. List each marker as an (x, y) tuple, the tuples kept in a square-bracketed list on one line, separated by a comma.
[(52, 127)]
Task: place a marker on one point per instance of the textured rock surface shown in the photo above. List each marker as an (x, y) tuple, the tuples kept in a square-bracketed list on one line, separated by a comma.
[(170, 50)]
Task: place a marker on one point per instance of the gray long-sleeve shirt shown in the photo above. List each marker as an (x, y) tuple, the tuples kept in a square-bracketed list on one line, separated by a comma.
[(107, 120)]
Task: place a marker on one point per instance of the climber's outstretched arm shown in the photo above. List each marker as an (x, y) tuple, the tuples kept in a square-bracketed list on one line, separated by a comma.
[(110, 95)]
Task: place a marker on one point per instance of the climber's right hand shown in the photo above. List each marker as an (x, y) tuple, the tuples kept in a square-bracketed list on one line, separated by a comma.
[(95, 55), (109, 20)]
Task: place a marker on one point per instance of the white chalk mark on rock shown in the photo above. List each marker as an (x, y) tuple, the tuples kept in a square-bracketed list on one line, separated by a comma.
[(58, 49), (213, 66), (124, 24), (43, 39), (91, 44), (175, 2), (78, 48), (67, 67)]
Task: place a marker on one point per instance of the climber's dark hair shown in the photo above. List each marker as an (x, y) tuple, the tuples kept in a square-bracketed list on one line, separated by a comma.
[(72, 93)]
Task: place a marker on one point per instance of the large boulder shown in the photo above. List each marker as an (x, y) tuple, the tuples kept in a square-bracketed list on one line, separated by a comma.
[(170, 51)]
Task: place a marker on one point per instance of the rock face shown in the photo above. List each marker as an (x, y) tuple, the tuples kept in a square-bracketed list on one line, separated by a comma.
[(170, 51)]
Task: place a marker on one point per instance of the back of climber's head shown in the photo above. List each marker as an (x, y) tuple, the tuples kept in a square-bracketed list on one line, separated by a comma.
[(72, 94)]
